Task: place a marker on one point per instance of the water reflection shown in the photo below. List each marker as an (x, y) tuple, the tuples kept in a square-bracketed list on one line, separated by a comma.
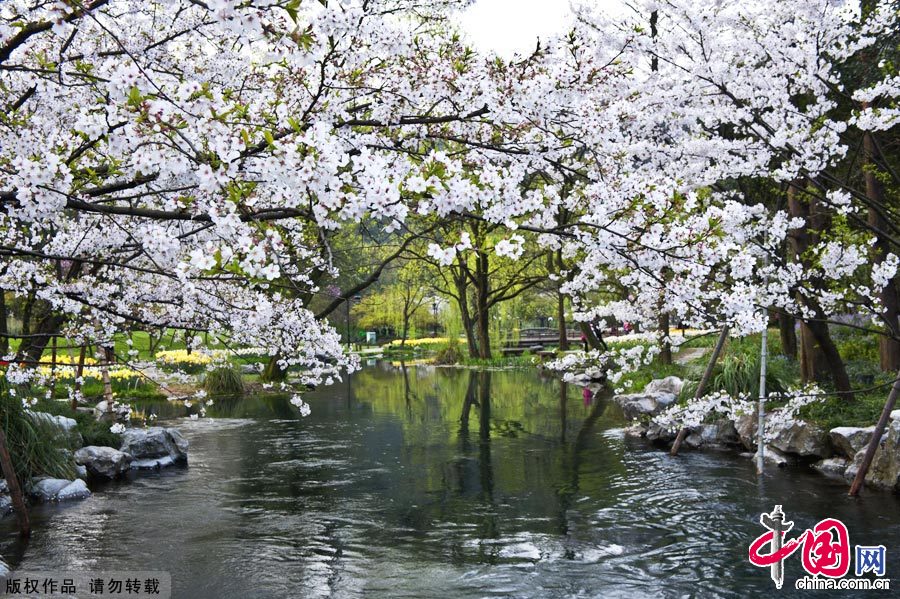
[(430, 482)]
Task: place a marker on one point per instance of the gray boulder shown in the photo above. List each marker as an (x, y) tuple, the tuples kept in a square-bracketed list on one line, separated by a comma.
[(745, 426), (848, 440), (720, 434), (885, 469), (154, 447), (119, 412), (660, 435), (636, 431), (635, 405), (103, 462), (670, 384), (773, 456), (802, 439), (65, 424), (832, 467), (57, 489)]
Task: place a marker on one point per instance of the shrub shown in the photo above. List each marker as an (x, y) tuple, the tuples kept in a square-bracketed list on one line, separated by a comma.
[(448, 355), (224, 380)]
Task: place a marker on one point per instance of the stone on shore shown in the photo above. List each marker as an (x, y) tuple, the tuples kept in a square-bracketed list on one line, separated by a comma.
[(103, 462), (659, 435), (155, 447), (773, 456), (635, 405), (658, 395), (746, 426), (802, 439), (884, 472), (65, 424), (57, 489), (832, 467), (670, 384), (848, 440)]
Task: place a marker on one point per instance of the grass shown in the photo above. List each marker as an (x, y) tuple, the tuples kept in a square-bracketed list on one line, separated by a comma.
[(35, 446)]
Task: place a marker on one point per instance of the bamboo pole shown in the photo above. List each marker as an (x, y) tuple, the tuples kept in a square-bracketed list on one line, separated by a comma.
[(860, 479), (701, 387), (761, 426)]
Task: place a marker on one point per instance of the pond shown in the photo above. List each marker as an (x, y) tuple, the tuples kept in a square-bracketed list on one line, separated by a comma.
[(430, 482)]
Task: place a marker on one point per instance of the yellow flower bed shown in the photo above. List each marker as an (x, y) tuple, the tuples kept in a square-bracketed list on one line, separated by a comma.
[(180, 356), (68, 372)]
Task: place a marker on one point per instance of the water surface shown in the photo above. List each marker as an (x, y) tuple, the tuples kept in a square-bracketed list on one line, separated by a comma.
[(424, 482)]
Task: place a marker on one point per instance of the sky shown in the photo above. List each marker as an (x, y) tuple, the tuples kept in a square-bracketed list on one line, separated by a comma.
[(510, 26)]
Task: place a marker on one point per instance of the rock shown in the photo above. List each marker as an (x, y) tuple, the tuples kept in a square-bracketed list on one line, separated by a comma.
[(635, 405), (745, 426), (81, 472), (832, 467), (103, 462), (801, 438), (895, 415), (66, 424), (660, 435), (670, 384), (705, 435), (57, 489), (773, 456), (636, 431), (120, 412), (848, 440), (155, 447), (720, 434), (885, 469)]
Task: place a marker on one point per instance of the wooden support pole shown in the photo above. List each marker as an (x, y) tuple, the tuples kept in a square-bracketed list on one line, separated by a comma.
[(15, 491), (860, 479), (701, 387)]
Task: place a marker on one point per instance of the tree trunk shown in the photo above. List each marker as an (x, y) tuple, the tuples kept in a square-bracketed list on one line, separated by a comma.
[(79, 371), (462, 300), (4, 328), (47, 327), (405, 330), (818, 354), (665, 354), (561, 317), (890, 344), (833, 361), (813, 365), (482, 308), (787, 330), (273, 372), (593, 341)]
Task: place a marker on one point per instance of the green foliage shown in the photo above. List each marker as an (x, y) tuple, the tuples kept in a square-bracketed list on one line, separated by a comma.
[(225, 380), (737, 371), (855, 346), (864, 410)]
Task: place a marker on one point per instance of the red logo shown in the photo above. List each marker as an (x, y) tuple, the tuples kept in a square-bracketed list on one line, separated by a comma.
[(826, 547)]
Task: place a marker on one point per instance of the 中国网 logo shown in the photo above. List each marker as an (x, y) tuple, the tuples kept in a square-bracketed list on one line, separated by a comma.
[(825, 555)]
